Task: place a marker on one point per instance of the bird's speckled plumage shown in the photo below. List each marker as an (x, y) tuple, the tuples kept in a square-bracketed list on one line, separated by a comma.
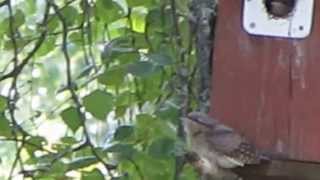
[(216, 144)]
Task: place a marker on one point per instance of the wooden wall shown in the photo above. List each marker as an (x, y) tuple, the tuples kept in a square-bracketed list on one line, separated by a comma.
[(268, 88)]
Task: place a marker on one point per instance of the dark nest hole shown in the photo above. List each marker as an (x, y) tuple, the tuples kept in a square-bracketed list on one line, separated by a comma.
[(280, 8)]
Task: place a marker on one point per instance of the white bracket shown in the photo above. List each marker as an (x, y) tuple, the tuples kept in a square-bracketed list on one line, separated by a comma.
[(298, 24)]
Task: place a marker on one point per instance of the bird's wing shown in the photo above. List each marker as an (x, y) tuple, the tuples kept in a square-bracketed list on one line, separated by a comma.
[(225, 141)]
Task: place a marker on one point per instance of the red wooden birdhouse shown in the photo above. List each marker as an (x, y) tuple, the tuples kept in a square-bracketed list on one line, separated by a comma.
[(266, 74)]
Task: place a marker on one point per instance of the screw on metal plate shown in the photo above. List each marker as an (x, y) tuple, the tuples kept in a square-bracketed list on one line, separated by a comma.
[(279, 18)]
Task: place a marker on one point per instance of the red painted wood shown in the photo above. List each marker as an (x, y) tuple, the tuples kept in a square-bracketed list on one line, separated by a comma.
[(268, 88)]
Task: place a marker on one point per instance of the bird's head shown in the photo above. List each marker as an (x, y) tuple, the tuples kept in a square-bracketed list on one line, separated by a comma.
[(196, 122)]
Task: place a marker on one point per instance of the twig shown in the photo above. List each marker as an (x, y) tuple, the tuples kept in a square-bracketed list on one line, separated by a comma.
[(71, 88), (182, 86), (136, 166), (18, 68)]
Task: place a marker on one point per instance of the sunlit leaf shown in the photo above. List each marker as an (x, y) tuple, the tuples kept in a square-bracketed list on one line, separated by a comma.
[(92, 175), (3, 103), (138, 16), (82, 162), (34, 143)]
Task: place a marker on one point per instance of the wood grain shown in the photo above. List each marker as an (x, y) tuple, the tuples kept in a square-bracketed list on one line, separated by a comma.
[(280, 170), (268, 88)]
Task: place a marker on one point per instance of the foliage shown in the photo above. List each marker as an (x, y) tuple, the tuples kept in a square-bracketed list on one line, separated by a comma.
[(94, 89)]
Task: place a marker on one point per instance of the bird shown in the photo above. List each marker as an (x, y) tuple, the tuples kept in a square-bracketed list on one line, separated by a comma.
[(280, 8), (217, 146)]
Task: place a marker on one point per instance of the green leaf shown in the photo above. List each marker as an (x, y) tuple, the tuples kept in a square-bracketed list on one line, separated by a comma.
[(145, 3), (129, 57), (5, 129), (162, 148), (120, 49), (82, 162), (47, 46), (124, 177), (189, 173), (132, 3), (92, 175), (3, 103), (70, 15), (71, 117), (138, 16), (68, 140), (34, 143), (58, 169), (8, 45), (120, 111), (142, 68), (112, 77), (30, 6), (159, 20), (75, 37), (168, 112), (108, 11), (160, 59), (99, 103), (155, 168), (4, 24), (53, 23), (126, 98), (19, 18), (152, 86), (149, 128), (85, 71), (123, 133), (124, 151), (65, 143), (85, 151)]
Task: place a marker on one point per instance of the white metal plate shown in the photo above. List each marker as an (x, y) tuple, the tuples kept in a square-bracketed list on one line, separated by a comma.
[(298, 24)]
